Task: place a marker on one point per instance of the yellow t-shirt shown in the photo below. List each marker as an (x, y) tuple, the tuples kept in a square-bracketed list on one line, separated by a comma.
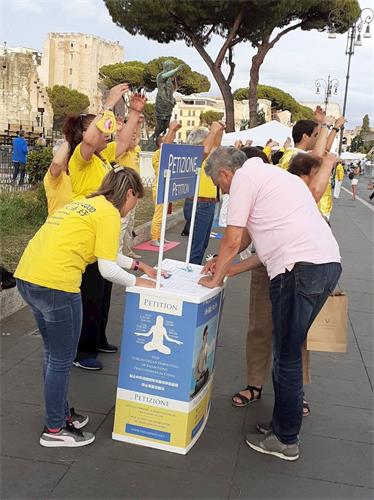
[(207, 189), (339, 173), (325, 203), (57, 190), (285, 161), (86, 176), (156, 162), (131, 159), (70, 239)]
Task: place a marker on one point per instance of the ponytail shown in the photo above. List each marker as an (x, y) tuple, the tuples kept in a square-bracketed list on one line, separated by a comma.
[(73, 129)]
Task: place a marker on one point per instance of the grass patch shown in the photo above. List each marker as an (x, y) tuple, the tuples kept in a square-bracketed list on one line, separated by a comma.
[(23, 212)]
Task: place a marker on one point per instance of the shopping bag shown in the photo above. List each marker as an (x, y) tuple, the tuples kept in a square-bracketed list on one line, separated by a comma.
[(328, 332)]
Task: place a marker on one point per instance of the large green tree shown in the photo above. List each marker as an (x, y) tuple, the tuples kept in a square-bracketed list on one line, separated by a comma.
[(280, 100), (235, 21), (65, 101)]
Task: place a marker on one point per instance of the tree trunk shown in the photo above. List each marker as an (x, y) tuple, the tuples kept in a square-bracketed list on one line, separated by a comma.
[(227, 98), (257, 60)]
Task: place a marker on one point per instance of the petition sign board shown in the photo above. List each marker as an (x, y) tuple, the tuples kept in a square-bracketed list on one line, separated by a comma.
[(183, 162)]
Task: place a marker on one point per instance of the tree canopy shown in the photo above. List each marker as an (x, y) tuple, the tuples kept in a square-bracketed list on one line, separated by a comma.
[(65, 101), (280, 100), (235, 21), (130, 72), (365, 124), (208, 117), (187, 81), (139, 74)]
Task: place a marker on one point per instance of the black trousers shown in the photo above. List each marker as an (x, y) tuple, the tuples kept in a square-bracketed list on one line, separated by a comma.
[(96, 293)]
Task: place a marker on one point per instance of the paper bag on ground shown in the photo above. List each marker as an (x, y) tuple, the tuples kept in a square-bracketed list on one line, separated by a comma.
[(328, 332)]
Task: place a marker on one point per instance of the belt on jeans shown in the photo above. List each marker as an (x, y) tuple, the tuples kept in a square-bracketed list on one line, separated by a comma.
[(202, 198)]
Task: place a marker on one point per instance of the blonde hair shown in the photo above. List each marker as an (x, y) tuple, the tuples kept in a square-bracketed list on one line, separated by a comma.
[(117, 183)]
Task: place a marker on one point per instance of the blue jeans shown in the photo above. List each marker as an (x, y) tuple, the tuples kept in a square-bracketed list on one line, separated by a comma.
[(19, 168), (203, 225), (59, 318), (297, 296)]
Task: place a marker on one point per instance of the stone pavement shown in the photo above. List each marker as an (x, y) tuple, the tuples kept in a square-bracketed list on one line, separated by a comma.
[(336, 443)]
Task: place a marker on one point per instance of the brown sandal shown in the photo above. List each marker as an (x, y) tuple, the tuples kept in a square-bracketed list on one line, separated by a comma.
[(244, 400)]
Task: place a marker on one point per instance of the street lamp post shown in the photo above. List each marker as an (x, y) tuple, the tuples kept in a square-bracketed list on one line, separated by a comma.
[(330, 86), (354, 39)]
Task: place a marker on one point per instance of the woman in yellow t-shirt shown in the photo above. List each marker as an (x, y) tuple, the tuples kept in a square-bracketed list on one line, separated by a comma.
[(90, 158), (49, 277)]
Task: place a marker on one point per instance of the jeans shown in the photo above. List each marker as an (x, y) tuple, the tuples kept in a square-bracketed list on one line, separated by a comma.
[(59, 317), (19, 168), (203, 225), (297, 296), (96, 295)]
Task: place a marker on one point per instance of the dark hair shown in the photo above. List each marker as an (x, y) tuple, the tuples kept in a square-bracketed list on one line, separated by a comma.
[(351, 175), (206, 330), (73, 129), (303, 163), (303, 127), (255, 152), (276, 157), (117, 183), (21, 133)]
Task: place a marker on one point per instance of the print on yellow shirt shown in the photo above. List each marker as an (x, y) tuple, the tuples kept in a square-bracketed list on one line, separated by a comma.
[(69, 240)]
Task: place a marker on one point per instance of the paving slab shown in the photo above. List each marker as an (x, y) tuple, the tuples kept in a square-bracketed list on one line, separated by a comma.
[(29, 479), (104, 478)]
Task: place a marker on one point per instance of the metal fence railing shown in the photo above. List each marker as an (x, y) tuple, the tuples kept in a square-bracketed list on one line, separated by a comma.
[(7, 168)]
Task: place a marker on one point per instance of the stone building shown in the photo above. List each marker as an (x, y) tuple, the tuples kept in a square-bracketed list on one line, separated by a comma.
[(24, 102), (74, 60)]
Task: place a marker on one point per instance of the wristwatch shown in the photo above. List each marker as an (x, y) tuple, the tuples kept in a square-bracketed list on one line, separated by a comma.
[(337, 129), (136, 265)]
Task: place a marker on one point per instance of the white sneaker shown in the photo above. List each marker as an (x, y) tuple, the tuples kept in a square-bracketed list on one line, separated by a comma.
[(68, 436)]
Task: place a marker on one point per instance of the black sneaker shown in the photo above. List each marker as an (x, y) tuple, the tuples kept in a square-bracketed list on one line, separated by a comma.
[(264, 427), (68, 436), (89, 364), (78, 420), (108, 348)]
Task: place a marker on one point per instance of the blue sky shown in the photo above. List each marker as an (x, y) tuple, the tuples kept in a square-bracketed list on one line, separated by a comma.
[(293, 64)]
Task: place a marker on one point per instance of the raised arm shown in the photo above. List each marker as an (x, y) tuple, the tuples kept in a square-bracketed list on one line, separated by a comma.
[(169, 74), (93, 136), (60, 160), (171, 134), (339, 123), (319, 182), (216, 129), (125, 136)]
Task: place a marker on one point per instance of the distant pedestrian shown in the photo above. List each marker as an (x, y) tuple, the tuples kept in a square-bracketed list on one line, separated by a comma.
[(20, 150), (339, 176), (41, 141), (354, 182)]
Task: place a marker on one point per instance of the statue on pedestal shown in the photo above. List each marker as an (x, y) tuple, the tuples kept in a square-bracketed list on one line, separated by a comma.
[(165, 101)]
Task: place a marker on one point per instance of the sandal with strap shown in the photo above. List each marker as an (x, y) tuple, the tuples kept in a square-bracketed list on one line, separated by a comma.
[(306, 408), (244, 400)]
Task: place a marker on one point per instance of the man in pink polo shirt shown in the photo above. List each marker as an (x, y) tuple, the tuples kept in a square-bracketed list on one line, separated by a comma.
[(302, 259)]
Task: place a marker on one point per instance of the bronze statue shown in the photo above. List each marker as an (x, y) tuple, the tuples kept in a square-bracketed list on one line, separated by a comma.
[(165, 101)]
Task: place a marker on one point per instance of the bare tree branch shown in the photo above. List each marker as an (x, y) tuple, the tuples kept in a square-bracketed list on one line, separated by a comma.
[(231, 64), (229, 39), (284, 32)]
